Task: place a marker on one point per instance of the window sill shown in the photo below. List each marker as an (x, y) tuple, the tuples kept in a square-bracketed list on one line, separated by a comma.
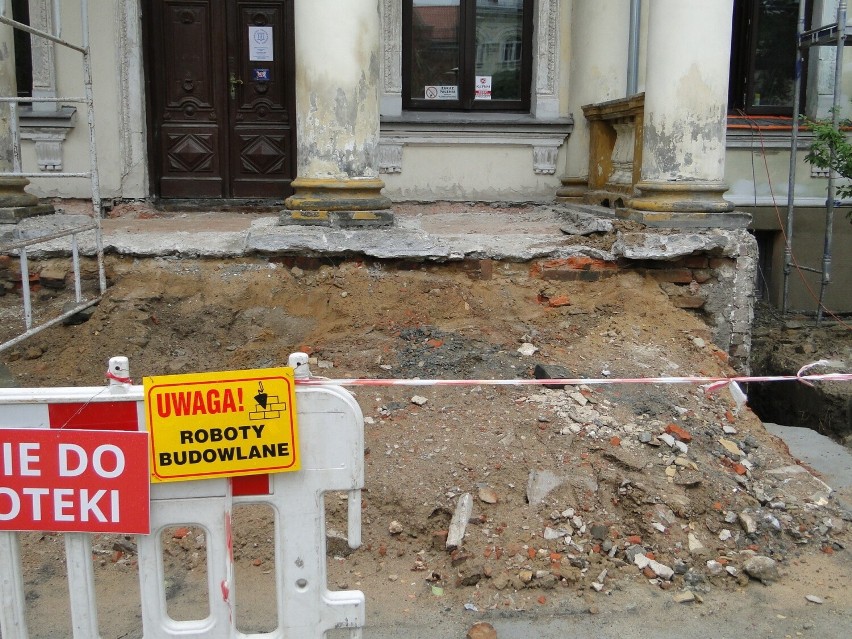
[(432, 128)]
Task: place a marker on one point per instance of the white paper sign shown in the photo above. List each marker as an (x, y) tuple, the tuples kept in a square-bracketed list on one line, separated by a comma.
[(482, 89), (447, 92), (260, 44)]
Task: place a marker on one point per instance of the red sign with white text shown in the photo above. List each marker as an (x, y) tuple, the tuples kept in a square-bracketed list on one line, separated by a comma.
[(74, 481)]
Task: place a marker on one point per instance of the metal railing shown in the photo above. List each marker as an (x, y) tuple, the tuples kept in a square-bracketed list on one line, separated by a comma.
[(92, 173), (21, 248)]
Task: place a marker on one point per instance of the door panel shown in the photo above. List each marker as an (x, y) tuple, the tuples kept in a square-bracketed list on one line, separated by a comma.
[(222, 124), (259, 117)]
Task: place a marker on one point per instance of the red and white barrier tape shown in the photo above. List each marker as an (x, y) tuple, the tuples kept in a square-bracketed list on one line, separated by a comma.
[(713, 383)]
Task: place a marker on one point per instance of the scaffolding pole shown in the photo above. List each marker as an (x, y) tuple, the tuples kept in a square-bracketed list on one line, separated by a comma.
[(828, 35)]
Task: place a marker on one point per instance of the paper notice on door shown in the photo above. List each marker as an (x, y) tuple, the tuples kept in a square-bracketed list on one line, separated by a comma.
[(482, 89), (260, 44)]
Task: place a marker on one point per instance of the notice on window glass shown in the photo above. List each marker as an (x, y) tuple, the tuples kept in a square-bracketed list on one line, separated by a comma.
[(260, 44), (449, 92), (482, 89)]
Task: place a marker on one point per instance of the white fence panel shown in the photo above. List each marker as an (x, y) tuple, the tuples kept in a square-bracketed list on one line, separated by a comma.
[(331, 439)]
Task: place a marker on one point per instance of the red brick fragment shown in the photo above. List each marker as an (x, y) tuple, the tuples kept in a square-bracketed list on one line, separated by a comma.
[(678, 431)]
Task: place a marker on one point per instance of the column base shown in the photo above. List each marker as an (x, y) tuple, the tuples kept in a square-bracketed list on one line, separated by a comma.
[(16, 204), (686, 204), (340, 203), (572, 189)]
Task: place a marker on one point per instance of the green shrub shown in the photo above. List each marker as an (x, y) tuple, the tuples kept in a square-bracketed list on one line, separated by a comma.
[(831, 149)]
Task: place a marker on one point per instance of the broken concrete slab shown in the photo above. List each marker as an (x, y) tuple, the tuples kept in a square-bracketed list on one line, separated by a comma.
[(659, 246), (578, 223)]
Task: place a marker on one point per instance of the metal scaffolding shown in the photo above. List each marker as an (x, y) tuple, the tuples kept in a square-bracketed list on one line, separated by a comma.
[(54, 35), (829, 35)]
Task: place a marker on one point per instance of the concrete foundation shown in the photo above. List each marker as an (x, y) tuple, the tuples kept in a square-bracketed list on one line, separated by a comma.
[(710, 272)]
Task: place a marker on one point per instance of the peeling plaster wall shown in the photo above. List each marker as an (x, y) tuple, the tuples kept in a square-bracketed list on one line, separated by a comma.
[(337, 96)]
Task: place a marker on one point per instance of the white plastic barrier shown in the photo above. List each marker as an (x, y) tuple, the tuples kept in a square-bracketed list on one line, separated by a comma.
[(331, 441)]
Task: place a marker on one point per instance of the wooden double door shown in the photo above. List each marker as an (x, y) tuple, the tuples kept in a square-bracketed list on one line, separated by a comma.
[(220, 79)]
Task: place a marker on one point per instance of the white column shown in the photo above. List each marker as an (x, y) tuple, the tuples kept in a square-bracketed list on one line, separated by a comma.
[(599, 39), (8, 88), (337, 106), (686, 91)]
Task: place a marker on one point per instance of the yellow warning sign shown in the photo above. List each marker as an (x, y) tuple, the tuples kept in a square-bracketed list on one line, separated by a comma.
[(224, 424)]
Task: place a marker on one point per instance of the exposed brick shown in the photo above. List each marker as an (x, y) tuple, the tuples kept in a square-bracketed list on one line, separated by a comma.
[(718, 262), (53, 276), (688, 301), (439, 539), (572, 268), (695, 261), (673, 275), (486, 269), (579, 276), (701, 275), (681, 433), (558, 300)]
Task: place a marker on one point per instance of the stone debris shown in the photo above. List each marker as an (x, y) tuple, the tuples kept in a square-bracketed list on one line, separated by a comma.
[(528, 350), (578, 223), (661, 498), (458, 524), (731, 447), (487, 495), (815, 599), (748, 523), (695, 545), (481, 630), (395, 528), (419, 400), (540, 484), (764, 569)]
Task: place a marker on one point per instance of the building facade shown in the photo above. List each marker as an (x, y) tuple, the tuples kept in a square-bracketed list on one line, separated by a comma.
[(651, 108)]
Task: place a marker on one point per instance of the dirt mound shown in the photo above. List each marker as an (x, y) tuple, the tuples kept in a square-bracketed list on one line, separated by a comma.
[(573, 491)]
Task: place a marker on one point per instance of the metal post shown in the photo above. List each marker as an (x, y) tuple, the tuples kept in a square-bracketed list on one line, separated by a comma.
[(794, 143), (633, 47), (16, 137), (93, 150), (75, 259), (25, 290)]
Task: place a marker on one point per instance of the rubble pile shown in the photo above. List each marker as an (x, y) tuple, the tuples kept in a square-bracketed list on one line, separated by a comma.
[(706, 500)]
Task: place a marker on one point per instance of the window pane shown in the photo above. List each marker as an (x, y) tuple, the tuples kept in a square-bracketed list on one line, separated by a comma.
[(499, 43), (775, 51), (435, 50)]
